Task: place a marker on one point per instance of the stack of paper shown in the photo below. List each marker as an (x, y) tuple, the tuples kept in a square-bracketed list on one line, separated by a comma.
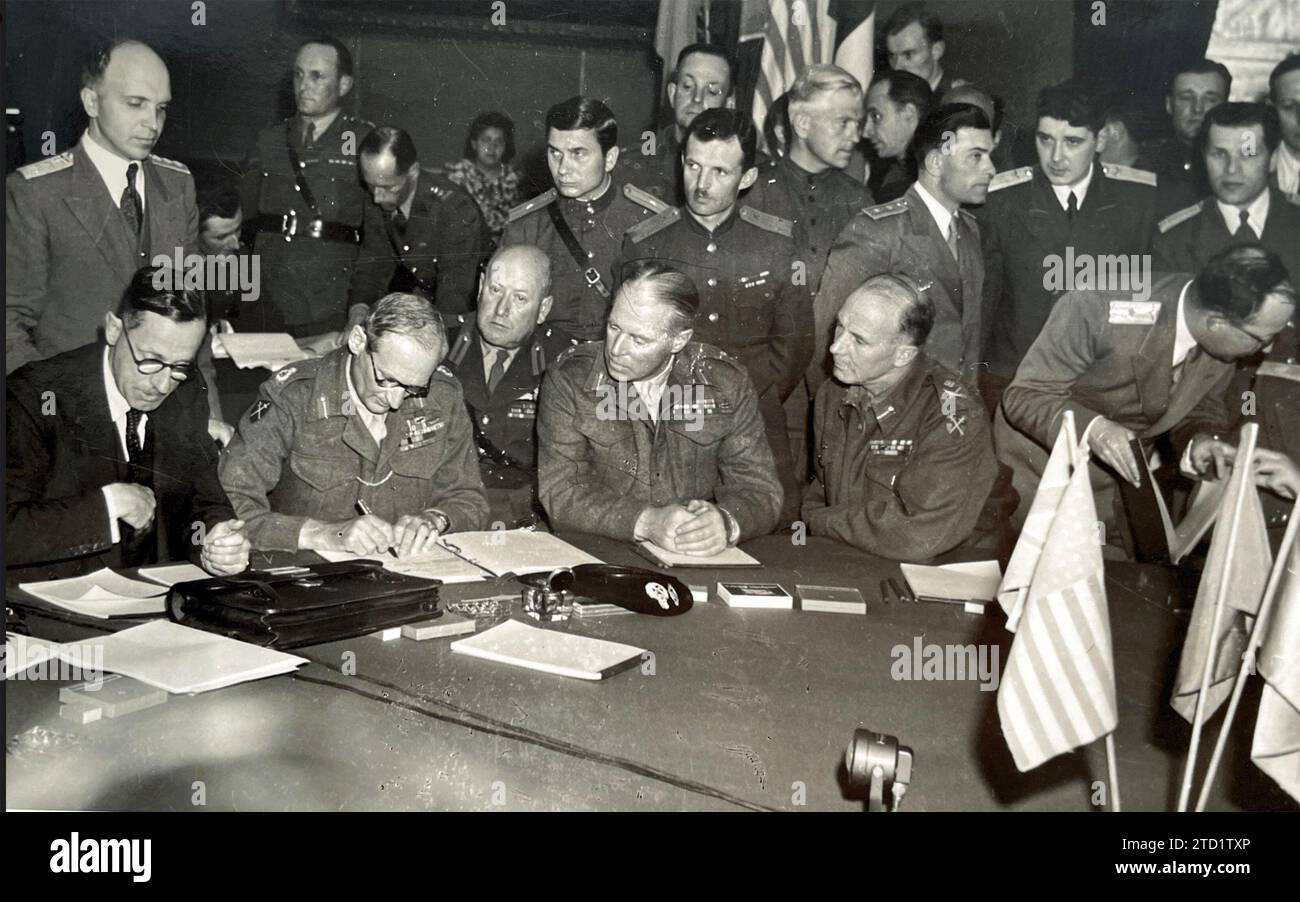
[(437, 563), (549, 651), (171, 574), (102, 594), (728, 557), (253, 349), (517, 551), (972, 584), (22, 652)]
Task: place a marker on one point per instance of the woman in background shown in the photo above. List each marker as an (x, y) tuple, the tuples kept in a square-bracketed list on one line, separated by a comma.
[(485, 170)]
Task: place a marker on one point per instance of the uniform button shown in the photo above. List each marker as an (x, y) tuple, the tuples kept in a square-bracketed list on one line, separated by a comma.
[(485, 419), (591, 255), (302, 165), (711, 247), (712, 283), (713, 317), (296, 188), (590, 208), (405, 248)]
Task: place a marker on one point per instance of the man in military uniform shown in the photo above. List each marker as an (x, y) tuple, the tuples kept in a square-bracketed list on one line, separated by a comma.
[(904, 455), (365, 449), (1140, 369), (743, 263), (500, 360), (1071, 207), (914, 42), (423, 234), (703, 80), (1277, 398), (897, 103), (651, 436), (303, 198), (80, 224), (927, 235), (1193, 91), (580, 223), (1284, 94)]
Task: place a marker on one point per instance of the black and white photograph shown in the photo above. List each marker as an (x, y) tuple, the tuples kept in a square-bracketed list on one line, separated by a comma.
[(655, 406)]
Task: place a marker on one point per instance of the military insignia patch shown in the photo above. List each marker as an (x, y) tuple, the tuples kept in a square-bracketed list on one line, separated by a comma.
[(420, 432), (889, 447), (1133, 313), (259, 410), (523, 409), (285, 374)]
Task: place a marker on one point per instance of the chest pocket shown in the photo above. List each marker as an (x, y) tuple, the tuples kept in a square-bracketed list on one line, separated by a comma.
[(324, 473), (421, 447), (613, 446)]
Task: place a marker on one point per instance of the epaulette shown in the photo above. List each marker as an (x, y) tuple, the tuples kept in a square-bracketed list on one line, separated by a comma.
[(884, 211), (547, 342), (445, 373), (459, 348), (703, 356), (573, 351), (45, 167), (1011, 177), (767, 221), (657, 223), (165, 163), (644, 198), (1128, 174), (1181, 216), (529, 206), (295, 372), (348, 117)]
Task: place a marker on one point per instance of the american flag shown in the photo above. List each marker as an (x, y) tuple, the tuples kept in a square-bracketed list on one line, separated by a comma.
[(800, 33), (1058, 691)]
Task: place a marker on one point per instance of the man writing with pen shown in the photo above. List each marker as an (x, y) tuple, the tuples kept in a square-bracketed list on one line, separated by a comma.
[(365, 449)]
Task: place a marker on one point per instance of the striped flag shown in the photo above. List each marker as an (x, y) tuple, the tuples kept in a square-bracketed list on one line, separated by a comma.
[(1276, 748), (1058, 691), (800, 33)]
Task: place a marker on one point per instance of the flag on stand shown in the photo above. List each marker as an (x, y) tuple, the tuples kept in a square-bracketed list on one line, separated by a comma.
[(680, 24), (1058, 690), (1276, 749)]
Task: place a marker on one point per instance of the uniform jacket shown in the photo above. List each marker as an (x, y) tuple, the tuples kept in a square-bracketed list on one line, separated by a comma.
[(1188, 238), (69, 253), (437, 254), (750, 305), (63, 449), (902, 236), (601, 461), (904, 476), (599, 227), (1181, 178), (819, 205), (1277, 400), (1023, 224), (307, 279), (303, 452)]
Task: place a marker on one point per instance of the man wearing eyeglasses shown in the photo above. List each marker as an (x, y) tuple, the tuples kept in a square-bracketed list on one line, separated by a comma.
[(109, 459), (366, 449)]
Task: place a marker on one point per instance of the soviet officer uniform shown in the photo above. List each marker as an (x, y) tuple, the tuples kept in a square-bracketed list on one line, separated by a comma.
[(1277, 399), (302, 451), (505, 418), (1187, 239), (905, 475), (1023, 225), (306, 236), (660, 172), (602, 460), (1181, 177), (435, 250), (751, 305), (582, 285)]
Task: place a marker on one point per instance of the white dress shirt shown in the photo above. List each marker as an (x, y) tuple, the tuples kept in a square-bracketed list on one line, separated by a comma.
[(1080, 189), (942, 217), (489, 354), (118, 408), (1286, 163), (1256, 210), (112, 169), (651, 390)]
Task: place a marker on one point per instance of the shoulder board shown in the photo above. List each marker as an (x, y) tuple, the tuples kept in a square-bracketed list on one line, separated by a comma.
[(169, 164), (459, 348), (45, 167), (529, 206), (644, 198), (1011, 177), (657, 223), (1181, 216), (1128, 174), (295, 372), (364, 123), (767, 221), (445, 373), (575, 350), (884, 211)]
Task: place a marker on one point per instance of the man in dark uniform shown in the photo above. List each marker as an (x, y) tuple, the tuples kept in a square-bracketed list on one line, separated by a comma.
[(580, 223), (649, 435), (365, 449), (914, 42), (109, 462), (1192, 92), (1277, 399), (897, 103), (1071, 207), (423, 234), (78, 225), (904, 454), (744, 264), (500, 359), (927, 235), (703, 80), (303, 198)]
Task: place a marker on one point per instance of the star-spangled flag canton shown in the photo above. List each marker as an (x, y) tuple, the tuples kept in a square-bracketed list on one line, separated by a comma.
[(1058, 691)]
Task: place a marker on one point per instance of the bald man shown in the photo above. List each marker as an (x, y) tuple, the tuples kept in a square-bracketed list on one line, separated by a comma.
[(78, 225), (500, 359), (904, 457)]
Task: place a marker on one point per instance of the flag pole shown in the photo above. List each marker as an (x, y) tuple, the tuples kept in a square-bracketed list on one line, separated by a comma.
[(1256, 640), (1249, 434), (1113, 772)]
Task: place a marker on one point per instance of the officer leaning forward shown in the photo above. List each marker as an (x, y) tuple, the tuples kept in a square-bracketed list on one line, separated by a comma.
[(304, 199), (580, 223)]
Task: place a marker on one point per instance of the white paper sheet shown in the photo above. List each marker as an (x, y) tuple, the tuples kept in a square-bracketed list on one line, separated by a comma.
[(970, 581), (171, 574), (516, 551), (549, 651), (265, 349), (101, 594), (438, 563)]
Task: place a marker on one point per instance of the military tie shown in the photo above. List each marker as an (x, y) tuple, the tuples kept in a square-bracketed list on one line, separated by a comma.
[(309, 134), (399, 221), (498, 370), (131, 204), (1245, 232), (1072, 207), (1181, 367), (133, 449), (952, 239), (136, 546)]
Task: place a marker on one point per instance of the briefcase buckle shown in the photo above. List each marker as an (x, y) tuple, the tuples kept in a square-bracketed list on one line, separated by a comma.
[(315, 228), (289, 225)]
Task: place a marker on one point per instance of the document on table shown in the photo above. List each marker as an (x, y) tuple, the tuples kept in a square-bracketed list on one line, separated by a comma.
[(253, 349), (22, 652), (550, 651), (728, 557), (973, 581), (438, 563), (171, 574), (102, 594), (517, 551)]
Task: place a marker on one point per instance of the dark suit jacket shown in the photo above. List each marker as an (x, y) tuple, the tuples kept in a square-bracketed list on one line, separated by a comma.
[(63, 449), (1190, 237), (68, 251)]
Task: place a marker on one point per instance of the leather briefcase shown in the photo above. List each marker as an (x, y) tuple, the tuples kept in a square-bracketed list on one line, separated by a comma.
[(322, 603)]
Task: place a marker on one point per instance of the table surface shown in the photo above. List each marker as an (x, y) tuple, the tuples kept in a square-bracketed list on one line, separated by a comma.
[(736, 709)]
